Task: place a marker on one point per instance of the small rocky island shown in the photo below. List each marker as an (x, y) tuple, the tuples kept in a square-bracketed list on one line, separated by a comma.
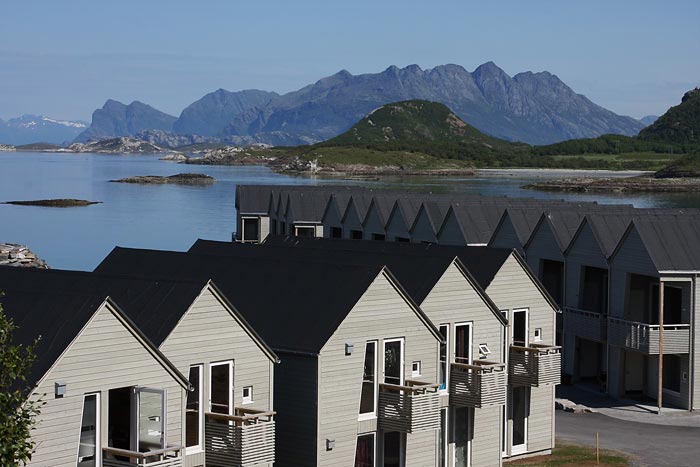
[(54, 203), (12, 254), (178, 179)]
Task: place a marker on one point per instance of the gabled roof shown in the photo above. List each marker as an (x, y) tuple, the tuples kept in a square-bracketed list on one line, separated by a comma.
[(253, 199), (382, 204), (671, 242), (58, 315), (359, 203), (294, 305), (417, 271), (307, 207), (523, 221)]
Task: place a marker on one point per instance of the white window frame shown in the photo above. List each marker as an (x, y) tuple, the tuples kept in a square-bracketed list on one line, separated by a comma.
[(98, 427), (230, 383), (200, 446), (243, 219), (403, 358), (312, 228), (136, 411), (527, 324), (249, 399), (469, 324), (375, 451), (416, 373), (520, 448), (372, 415)]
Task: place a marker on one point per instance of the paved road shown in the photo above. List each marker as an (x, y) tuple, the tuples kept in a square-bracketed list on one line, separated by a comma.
[(652, 445)]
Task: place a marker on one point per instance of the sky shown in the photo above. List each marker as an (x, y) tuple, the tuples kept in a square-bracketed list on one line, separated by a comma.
[(64, 59)]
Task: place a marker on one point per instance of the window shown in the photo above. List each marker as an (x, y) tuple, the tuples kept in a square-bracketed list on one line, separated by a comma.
[(336, 232), (538, 334), (368, 400), (304, 231), (402, 239), (463, 343), (393, 361), (519, 328), (356, 234), (442, 357), (415, 369), (273, 226), (251, 229), (248, 394), (484, 350), (283, 228), (378, 237), (193, 410), (88, 454), (365, 451)]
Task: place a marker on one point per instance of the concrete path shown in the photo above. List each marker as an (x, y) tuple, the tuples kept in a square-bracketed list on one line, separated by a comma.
[(651, 445), (627, 409)]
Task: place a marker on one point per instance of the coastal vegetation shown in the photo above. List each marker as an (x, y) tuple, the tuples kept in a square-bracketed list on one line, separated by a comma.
[(54, 203)]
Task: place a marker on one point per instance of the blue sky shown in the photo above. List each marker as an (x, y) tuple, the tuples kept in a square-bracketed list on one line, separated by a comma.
[(64, 59)]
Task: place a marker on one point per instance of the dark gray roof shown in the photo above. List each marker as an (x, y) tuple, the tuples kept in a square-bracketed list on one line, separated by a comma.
[(672, 243), (294, 305), (56, 305), (417, 270)]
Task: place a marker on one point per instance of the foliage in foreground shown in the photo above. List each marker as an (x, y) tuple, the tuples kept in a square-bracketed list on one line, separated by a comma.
[(567, 455), (18, 414)]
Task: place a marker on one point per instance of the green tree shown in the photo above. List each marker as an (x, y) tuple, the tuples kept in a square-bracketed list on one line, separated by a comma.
[(18, 413)]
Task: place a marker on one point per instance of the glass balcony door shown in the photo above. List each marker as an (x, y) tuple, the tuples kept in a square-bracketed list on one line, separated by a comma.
[(221, 388), (393, 361), (463, 343), (150, 419)]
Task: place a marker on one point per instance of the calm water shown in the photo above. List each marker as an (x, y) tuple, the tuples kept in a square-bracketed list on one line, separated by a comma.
[(171, 216)]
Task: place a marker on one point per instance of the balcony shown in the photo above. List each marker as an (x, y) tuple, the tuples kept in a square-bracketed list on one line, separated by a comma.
[(480, 385), (585, 324), (410, 408), (534, 366), (642, 337), (168, 457), (246, 438)]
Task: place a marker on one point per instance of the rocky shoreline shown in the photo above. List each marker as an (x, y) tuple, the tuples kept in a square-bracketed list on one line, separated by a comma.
[(642, 184), (179, 179), (54, 203), (12, 254)]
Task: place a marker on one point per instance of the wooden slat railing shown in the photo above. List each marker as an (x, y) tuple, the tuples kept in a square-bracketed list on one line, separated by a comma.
[(482, 384), (534, 366), (167, 457), (408, 408), (585, 324), (244, 439), (644, 337)]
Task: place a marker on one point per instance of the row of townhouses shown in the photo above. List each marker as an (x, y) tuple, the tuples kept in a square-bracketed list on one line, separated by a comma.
[(297, 352), (625, 278)]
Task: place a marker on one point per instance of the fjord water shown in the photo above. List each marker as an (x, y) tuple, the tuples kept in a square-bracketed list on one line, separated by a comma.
[(174, 216)]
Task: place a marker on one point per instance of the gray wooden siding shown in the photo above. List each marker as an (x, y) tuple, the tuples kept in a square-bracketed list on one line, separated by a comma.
[(422, 230), (631, 257), (296, 391), (351, 222), (451, 233), (506, 237), (208, 334), (373, 223), (332, 218), (382, 313), (105, 356), (511, 289), (681, 399), (396, 227), (543, 246), (585, 251), (486, 442)]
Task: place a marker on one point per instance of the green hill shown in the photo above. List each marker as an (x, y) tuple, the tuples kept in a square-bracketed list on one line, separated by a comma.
[(679, 125)]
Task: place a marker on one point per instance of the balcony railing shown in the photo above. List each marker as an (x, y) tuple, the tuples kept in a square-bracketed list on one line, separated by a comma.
[(482, 384), (585, 324), (244, 439), (534, 366), (409, 408), (168, 457), (644, 337)]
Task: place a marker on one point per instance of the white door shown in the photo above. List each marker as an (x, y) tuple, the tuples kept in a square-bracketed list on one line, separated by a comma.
[(520, 409)]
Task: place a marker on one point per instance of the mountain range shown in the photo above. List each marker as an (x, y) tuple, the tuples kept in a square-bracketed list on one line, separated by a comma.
[(33, 128), (537, 108)]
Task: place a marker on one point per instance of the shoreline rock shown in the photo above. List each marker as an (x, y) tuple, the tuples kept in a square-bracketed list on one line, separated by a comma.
[(619, 185), (7, 148), (54, 203), (178, 179), (13, 254)]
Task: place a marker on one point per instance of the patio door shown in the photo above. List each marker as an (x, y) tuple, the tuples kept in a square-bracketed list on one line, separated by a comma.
[(520, 409), (149, 418), (519, 328), (393, 362), (463, 343), (221, 388)]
